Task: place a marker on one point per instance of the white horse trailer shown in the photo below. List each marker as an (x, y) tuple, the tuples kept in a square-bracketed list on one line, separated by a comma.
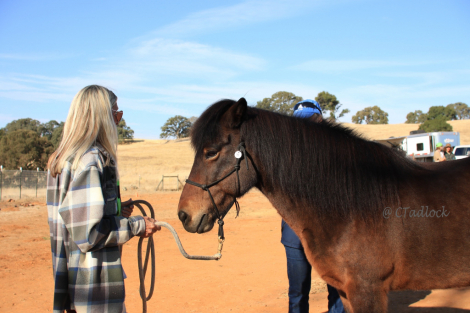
[(421, 146)]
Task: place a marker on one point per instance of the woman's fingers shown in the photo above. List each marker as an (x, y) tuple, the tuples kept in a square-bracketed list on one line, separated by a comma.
[(150, 227), (127, 211)]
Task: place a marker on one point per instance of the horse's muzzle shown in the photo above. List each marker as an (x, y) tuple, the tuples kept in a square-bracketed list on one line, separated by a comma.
[(198, 224)]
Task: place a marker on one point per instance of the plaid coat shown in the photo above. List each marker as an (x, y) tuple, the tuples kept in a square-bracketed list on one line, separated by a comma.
[(86, 235)]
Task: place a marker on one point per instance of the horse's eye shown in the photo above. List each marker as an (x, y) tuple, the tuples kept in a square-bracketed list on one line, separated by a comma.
[(211, 154)]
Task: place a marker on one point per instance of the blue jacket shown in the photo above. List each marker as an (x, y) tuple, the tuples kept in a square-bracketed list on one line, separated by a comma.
[(289, 238)]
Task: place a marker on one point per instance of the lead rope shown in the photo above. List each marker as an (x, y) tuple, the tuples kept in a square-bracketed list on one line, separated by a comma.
[(150, 254)]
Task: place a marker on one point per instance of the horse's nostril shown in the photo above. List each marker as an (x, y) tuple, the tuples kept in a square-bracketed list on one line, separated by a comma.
[(182, 216)]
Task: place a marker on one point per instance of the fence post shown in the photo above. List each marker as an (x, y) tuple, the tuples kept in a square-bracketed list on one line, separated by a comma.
[(1, 181), (163, 183), (158, 185), (37, 182), (177, 183), (21, 175)]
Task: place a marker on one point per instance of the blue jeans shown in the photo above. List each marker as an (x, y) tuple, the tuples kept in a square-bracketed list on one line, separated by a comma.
[(299, 272), (334, 301)]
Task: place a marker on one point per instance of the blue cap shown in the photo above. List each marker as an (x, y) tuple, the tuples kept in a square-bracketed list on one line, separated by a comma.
[(306, 108)]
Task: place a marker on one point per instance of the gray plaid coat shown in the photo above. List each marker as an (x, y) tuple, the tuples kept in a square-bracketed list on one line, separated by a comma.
[(86, 235)]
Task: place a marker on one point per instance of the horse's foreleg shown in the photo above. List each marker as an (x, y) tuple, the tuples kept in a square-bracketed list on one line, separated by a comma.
[(364, 298)]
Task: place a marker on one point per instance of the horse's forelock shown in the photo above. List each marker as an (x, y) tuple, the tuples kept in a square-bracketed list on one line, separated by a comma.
[(206, 128)]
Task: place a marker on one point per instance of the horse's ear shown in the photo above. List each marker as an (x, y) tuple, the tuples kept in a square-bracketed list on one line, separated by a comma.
[(234, 117)]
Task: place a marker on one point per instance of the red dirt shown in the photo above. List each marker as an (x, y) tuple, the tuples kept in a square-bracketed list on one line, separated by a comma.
[(250, 277)]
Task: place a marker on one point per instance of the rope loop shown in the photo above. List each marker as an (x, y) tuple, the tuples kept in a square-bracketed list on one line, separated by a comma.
[(149, 259)]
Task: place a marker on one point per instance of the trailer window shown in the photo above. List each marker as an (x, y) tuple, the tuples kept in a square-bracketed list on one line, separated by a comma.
[(460, 151), (420, 147)]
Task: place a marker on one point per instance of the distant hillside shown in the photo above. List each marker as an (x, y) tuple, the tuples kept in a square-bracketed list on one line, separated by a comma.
[(397, 130)]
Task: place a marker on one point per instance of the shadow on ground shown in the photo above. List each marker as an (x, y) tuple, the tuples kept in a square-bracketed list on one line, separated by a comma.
[(400, 301)]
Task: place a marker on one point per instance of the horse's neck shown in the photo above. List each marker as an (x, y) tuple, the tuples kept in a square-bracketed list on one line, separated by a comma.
[(313, 232)]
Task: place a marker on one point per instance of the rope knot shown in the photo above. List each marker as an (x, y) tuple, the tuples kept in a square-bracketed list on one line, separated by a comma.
[(204, 187), (221, 229)]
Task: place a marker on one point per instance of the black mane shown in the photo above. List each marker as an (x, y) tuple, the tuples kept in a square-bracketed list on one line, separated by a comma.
[(322, 165)]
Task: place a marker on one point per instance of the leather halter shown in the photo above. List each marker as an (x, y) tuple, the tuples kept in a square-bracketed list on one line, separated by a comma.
[(238, 155)]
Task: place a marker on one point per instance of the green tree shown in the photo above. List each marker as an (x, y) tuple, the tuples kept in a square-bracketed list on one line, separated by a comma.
[(328, 102), (282, 102), (177, 126), (371, 115), (56, 136), (124, 131), (437, 112), (435, 125), (47, 129), (416, 117), (461, 109), (24, 148), (437, 117), (24, 123)]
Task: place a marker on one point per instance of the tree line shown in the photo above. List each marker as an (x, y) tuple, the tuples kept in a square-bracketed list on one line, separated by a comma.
[(283, 102), (437, 117), (28, 143)]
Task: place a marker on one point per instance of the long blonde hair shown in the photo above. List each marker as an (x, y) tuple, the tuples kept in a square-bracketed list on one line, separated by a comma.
[(90, 121)]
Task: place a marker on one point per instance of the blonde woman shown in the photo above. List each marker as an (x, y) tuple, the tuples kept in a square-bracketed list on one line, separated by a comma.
[(87, 221)]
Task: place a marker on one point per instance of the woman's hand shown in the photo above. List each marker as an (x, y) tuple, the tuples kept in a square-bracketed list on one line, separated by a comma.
[(150, 227), (126, 209)]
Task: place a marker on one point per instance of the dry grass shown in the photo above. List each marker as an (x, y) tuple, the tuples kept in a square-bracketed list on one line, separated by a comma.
[(153, 158), (397, 130)]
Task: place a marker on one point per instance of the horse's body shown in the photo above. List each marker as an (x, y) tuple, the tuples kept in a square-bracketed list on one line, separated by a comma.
[(348, 199)]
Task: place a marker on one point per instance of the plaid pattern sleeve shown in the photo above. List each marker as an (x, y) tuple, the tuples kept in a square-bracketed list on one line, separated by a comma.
[(84, 217), (85, 239)]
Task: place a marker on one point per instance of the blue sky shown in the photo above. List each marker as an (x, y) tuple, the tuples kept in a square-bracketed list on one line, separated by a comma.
[(164, 58)]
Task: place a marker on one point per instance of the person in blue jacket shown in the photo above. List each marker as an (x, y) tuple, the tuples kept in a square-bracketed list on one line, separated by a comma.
[(299, 270)]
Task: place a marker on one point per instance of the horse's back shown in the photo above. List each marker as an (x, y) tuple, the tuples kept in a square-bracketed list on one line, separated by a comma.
[(435, 229)]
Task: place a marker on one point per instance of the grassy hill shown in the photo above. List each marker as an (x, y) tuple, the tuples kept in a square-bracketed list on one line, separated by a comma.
[(151, 159), (396, 130)]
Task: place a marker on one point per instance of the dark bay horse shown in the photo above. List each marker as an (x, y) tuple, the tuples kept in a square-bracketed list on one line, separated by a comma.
[(369, 219)]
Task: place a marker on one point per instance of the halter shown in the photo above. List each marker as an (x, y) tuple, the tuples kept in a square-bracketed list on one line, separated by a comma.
[(238, 155)]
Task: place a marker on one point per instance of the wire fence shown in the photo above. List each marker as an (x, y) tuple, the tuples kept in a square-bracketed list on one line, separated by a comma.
[(33, 184), (18, 184)]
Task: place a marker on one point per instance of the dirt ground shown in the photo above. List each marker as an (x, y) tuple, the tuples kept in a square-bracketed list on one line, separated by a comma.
[(250, 277)]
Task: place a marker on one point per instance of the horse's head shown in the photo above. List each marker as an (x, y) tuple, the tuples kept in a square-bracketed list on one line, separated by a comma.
[(216, 137)]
